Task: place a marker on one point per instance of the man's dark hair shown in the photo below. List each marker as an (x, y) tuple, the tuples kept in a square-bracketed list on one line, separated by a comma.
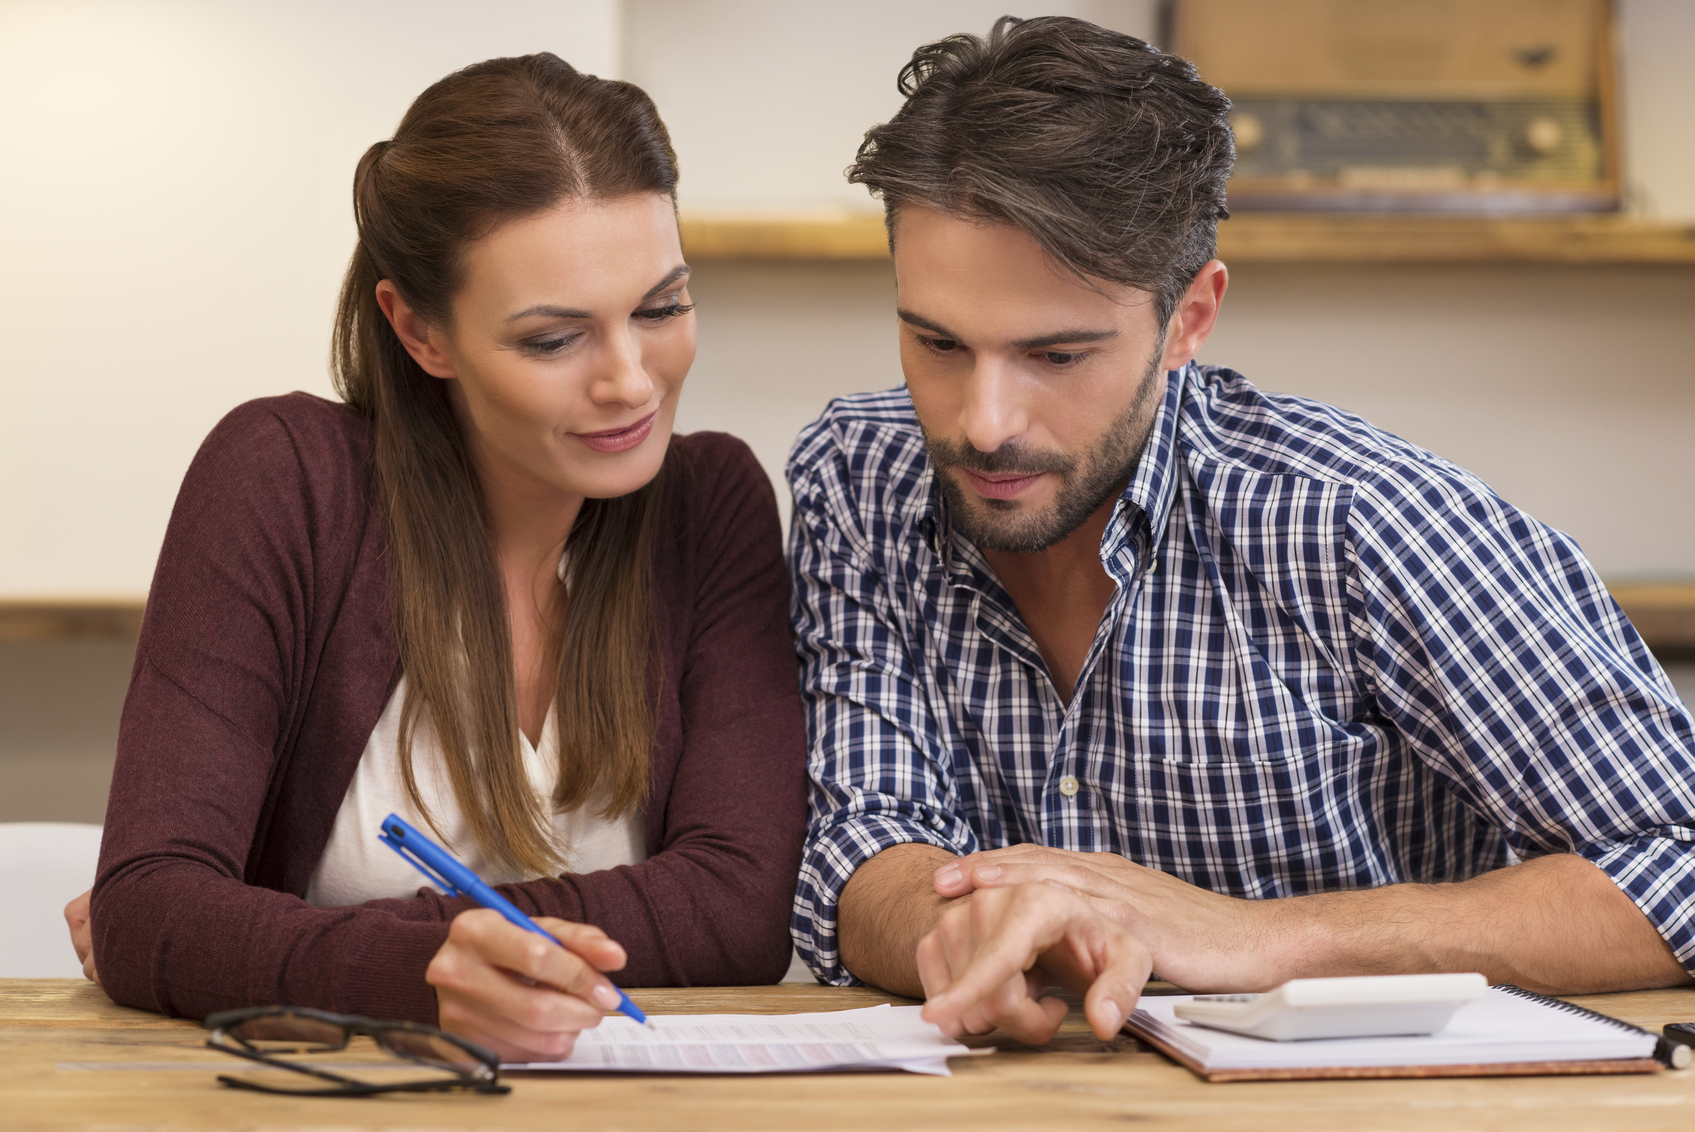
[(1111, 153)]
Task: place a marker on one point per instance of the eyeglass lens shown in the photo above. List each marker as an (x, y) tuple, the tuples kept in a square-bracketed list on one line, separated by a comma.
[(277, 1033), (433, 1048)]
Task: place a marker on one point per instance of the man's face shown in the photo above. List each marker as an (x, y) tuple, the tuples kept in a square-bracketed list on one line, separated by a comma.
[(1035, 391)]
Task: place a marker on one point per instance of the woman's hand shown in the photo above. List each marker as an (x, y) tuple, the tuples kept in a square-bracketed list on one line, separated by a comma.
[(82, 936), (521, 996)]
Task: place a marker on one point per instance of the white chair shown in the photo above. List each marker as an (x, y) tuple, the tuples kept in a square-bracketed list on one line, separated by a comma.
[(43, 865)]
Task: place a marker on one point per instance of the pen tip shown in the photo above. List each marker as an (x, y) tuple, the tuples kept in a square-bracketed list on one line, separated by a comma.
[(649, 1024)]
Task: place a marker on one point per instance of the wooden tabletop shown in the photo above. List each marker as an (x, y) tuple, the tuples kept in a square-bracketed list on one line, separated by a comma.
[(73, 1060)]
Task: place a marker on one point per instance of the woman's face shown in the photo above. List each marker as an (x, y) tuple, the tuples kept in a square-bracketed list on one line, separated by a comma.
[(570, 340)]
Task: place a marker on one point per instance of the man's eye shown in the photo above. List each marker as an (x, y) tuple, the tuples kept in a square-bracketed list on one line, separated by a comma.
[(942, 345), (1057, 358)]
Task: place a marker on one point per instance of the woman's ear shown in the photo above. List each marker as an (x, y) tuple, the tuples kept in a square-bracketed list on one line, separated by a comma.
[(425, 343)]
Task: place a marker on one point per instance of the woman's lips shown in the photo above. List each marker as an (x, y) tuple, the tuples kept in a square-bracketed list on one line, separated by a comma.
[(1000, 486), (618, 439)]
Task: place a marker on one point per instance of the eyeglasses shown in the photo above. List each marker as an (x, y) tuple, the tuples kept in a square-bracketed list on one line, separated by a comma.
[(264, 1033)]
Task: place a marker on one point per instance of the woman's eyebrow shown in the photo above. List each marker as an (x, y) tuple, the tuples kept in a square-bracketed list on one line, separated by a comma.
[(681, 271), (551, 311)]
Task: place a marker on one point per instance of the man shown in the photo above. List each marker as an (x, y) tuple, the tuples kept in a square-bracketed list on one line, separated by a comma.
[(1118, 665)]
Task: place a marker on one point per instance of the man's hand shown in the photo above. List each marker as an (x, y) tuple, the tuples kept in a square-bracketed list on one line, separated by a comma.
[(82, 936), (1200, 940), (989, 959), (514, 992), (1555, 924)]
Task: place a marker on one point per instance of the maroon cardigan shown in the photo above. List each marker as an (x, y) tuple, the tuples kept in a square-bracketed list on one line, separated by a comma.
[(267, 655)]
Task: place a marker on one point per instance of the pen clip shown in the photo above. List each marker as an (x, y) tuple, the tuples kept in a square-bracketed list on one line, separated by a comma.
[(416, 862)]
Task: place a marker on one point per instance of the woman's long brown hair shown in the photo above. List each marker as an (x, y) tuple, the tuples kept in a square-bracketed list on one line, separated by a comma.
[(493, 142)]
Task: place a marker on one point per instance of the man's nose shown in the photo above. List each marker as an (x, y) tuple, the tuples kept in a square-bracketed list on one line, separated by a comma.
[(994, 410)]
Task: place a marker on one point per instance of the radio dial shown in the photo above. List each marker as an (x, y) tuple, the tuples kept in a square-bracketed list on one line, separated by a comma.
[(1249, 131), (1543, 136)]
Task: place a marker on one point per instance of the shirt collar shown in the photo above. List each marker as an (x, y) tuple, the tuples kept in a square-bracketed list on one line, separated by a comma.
[(1143, 510), (1140, 516)]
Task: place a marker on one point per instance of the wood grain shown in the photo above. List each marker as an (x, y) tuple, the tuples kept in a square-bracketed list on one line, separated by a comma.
[(68, 1076)]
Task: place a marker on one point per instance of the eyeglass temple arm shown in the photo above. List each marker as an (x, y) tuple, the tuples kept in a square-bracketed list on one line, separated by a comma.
[(277, 1062)]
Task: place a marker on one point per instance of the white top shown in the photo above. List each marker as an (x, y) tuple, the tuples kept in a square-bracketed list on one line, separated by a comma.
[(356, 867)]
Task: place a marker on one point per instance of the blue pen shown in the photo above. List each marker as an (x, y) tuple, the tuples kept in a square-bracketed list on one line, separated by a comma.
[(456, 880)]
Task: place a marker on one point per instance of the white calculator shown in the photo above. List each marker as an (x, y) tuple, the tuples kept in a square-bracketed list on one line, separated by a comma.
[(1360, 1006)]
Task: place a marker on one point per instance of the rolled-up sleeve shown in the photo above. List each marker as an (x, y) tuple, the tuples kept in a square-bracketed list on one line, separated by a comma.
[(1496, 649), (879, 774)]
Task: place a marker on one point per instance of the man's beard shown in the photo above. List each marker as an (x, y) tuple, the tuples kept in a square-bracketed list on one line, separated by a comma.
[(1084, 483)]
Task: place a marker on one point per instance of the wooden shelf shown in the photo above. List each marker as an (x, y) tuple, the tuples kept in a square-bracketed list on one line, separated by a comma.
[(825, 236), (1663, 612), (70, 620), (1258, 238)]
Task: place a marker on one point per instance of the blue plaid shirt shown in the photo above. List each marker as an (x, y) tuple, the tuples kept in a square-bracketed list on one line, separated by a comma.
[(1332, 661)]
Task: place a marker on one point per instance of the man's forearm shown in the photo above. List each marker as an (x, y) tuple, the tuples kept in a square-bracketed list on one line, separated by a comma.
[(889, 904), (1556, 924)]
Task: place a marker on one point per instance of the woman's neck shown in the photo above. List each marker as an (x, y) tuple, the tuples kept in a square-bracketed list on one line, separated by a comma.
[(529, 524)]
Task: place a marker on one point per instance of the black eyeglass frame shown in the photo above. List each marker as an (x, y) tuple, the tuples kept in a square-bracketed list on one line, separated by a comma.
[(485, 1078)]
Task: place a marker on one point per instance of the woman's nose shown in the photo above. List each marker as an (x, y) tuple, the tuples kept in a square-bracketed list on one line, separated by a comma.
[(623, 379)]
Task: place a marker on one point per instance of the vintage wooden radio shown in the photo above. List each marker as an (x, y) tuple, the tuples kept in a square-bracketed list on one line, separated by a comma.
[(1489, 106)]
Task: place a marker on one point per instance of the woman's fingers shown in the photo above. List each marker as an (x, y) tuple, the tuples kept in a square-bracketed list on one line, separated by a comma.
[(587, 942), (519, 992), (82, 934)]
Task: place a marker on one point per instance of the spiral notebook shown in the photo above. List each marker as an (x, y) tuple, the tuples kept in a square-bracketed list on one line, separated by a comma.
[(1509, 1032)]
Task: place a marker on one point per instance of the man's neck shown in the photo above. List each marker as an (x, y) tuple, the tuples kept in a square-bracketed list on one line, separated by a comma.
[(1061, 593)]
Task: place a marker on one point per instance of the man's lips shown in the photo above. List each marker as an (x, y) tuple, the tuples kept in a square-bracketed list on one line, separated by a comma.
[(1001, 485), (618, 439)]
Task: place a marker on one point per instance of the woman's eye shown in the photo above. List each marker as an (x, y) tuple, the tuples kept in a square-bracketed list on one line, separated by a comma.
[(660, 314), (544, 347)]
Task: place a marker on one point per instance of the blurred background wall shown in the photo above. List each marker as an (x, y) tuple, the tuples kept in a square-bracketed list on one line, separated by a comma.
[(174, 217)]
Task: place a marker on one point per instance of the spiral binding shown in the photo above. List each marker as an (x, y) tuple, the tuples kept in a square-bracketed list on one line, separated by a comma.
[(1571, 1008)]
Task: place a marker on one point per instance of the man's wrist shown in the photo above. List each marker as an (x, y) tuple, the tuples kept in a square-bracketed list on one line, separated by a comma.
[(886, 907)]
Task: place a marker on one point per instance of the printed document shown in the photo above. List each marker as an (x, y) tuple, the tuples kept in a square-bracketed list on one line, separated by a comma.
[(876, 1037)]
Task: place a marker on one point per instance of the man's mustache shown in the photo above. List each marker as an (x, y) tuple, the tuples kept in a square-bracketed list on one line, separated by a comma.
[(1014, 459)]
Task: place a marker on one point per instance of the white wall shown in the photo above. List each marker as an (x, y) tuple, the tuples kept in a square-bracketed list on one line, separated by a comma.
[(175, 216), (174, 222), (767, 100)]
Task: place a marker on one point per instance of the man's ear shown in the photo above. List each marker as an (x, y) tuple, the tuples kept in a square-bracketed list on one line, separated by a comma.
[(424, 342), (1195, 316)]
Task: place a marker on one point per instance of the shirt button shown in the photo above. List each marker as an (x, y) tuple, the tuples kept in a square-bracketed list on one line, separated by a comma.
[(1068, 786), (1153, 564)]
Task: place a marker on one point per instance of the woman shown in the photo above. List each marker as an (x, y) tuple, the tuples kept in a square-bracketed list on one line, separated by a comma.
[(490, 592)]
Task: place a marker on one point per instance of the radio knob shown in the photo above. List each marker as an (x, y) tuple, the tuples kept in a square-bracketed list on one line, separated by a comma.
[(1249, 131), (1543, 136)]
